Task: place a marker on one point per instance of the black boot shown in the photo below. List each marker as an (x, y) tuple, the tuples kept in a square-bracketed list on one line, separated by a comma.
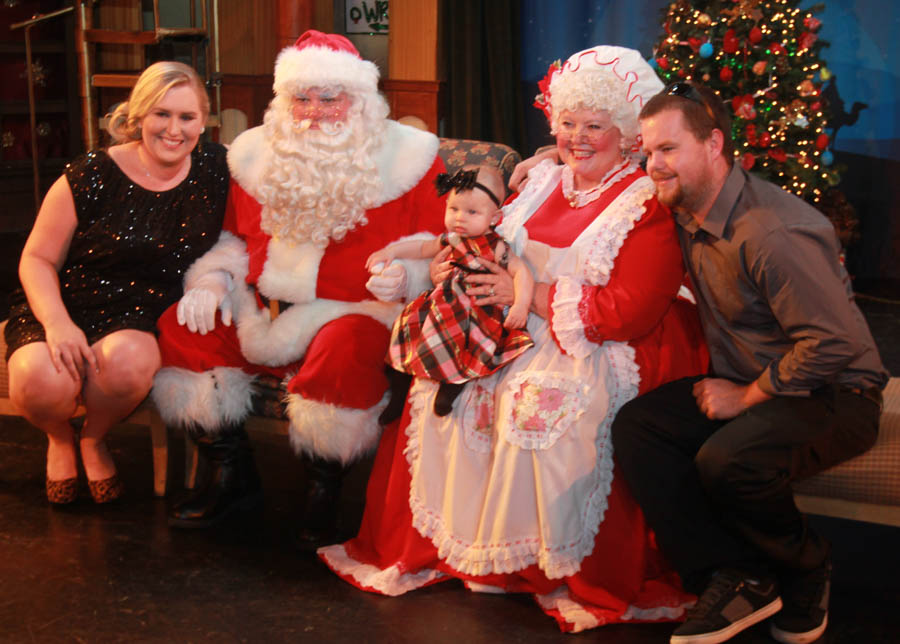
[(318, 519), (398, 386), (446, 395), (231, 484)]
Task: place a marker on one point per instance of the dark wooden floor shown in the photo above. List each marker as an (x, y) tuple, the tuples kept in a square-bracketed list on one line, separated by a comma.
[(120, 574)]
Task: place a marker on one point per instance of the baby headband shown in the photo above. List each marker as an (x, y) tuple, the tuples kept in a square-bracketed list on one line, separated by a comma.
[(462, 180)]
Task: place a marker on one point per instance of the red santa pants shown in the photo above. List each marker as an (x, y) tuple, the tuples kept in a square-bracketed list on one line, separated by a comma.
[(343, 365)]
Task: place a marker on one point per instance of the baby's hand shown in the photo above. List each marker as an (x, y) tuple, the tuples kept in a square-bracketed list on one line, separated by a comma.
[(378, 260), (516, 317)]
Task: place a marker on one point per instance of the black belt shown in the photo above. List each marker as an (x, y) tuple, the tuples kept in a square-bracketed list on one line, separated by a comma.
[(872, 393), (276, 307)]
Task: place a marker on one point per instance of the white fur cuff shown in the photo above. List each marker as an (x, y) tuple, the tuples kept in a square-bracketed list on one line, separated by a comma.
[(332, 432), (206, 401)]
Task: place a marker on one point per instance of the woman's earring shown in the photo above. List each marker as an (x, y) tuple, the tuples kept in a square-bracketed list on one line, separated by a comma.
[(202, 129)]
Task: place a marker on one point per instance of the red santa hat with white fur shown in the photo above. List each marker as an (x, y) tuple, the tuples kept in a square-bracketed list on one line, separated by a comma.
[(318, 59)]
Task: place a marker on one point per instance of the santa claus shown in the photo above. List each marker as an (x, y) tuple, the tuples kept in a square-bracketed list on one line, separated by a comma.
[(324, 182)]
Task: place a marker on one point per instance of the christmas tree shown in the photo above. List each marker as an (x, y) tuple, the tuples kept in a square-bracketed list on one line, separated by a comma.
[(762, 58)]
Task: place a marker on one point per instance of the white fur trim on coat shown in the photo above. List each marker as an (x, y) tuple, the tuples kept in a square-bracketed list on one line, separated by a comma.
[(332, 432), (406, 155), (285, 339), (296, 69), (229, 254), (207, 401), (291, 272)]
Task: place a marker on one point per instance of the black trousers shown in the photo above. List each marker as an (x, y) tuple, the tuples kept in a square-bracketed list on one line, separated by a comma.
[(719, 492)]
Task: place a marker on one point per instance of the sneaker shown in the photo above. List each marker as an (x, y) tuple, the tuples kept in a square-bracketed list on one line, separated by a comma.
[(805, 614), (733, 601)]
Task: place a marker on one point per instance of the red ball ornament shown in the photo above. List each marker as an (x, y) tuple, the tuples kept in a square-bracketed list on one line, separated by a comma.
[(725, 74), (748, 160), (682, 72), (777, 48), (822, 141), (729, 42), (815, 106), (778, 155), (765, 139), (755, 35), (695, 43), (663, 62), (811, 23)]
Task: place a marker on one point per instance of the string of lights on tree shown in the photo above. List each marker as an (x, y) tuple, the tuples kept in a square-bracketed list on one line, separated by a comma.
[(762, 58)]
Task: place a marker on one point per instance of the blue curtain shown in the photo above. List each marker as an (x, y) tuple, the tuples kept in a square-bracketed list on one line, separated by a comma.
[(555, 29)]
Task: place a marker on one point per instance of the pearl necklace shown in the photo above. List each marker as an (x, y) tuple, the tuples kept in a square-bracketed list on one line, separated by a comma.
[(581, 198)]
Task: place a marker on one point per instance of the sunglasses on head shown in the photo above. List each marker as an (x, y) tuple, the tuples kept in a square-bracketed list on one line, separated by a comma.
[(682, 89)]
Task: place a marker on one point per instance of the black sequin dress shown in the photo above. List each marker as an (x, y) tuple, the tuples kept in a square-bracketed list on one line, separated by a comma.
[(131, 246)]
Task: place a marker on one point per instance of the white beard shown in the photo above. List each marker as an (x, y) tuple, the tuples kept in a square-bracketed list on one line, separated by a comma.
[(318, 184)]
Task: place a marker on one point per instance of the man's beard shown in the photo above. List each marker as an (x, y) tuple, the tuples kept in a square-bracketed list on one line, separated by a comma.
[(319, 182)]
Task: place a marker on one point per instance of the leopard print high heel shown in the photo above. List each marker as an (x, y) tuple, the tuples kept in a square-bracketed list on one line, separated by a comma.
[(63, 491), (106, 490)]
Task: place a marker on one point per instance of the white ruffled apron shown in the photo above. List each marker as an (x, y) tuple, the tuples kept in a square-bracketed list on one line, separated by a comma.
[(519, 473)]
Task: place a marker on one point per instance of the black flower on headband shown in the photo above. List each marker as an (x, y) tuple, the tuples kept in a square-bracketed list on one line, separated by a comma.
[(461, 181)]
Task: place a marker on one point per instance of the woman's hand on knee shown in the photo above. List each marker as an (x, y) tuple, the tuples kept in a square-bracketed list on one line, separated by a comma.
[(70, 351)]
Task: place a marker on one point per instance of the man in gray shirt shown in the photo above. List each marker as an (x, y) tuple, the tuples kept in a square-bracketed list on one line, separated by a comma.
[(794, 386)]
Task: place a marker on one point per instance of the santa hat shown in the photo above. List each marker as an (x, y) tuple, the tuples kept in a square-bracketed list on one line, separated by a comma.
[(631, 75), (323, 60)]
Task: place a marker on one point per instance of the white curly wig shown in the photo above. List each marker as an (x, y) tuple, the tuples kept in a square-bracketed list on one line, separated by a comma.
[(615, 80)]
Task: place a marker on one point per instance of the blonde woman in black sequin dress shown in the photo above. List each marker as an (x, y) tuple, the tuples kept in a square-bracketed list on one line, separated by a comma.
[(104, 259)]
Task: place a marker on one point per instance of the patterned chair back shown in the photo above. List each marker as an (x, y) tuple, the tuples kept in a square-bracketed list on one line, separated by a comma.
[(457, 153)]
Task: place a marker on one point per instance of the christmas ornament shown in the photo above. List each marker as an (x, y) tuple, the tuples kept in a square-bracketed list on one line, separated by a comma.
[(825, 74), (755, 35), (778, 154), (694, 43), (827, 157), (806, 88), (822, 141), (765, 139), (811, 23), (729, 42), (777, 48), (725, 75), (748, 161), (801, 121), (807, 39), (703, 20), (663, 62), (759, 67), (706, 50)]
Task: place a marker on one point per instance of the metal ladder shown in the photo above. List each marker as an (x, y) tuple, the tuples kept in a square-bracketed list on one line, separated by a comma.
[(87, 39)]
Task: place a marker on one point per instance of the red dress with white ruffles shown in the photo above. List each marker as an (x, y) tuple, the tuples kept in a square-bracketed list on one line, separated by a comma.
[(516, 489)]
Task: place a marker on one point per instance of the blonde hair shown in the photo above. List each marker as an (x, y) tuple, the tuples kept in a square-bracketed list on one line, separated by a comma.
[(151, 87)]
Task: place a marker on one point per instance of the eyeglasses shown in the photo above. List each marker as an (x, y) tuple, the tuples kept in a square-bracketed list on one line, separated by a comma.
[(688, 91)]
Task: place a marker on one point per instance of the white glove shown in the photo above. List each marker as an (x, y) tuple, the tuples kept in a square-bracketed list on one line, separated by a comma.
[(388, 285), (197, 307)]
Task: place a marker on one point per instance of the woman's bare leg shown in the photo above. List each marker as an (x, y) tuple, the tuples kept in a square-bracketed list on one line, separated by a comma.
[(47, 399), (128, 359)]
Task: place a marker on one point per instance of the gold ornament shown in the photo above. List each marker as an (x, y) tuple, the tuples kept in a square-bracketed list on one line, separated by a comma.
[(703, 20)]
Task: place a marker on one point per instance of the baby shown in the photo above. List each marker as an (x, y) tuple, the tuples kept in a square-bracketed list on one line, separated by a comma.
[(444, 334)]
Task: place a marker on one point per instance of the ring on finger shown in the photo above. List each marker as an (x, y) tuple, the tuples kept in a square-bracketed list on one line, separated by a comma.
[(491, 291)]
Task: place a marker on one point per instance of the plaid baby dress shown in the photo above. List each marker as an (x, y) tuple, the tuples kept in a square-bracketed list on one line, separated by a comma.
[(445, 335)]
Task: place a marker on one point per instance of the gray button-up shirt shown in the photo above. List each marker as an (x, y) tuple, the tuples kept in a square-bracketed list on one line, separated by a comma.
[(775, 303)]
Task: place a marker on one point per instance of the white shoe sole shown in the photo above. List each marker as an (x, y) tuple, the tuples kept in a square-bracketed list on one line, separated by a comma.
[(732, 629), (788, 637)]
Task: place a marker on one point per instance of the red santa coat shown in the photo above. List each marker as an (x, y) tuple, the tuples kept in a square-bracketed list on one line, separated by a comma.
[(332, 340)]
